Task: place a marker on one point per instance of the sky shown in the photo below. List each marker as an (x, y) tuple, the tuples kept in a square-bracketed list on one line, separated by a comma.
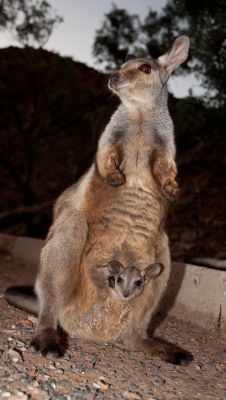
[(75, 36)]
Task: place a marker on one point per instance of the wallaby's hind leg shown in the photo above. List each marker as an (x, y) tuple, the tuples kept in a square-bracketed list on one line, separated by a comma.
[(55, 283), (153, 346)]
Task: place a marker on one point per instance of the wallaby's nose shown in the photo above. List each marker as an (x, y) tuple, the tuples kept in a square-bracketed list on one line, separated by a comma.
[(126, 293), (114, 78)]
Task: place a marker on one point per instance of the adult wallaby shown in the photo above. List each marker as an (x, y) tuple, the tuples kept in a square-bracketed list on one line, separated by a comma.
[(103, 218)]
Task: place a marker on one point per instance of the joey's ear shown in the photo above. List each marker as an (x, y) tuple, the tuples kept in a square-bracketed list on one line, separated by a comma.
[(152, 271), (175, 56), (130, 57), (114, 267)]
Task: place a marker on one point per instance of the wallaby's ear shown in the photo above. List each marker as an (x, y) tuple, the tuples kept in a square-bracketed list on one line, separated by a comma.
[(130, 57), (175, 56), (152, 271), (115, 267)]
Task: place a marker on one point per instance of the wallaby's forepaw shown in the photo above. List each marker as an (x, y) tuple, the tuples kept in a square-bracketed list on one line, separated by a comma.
[(50, 341), (115, 179), (170, 190)]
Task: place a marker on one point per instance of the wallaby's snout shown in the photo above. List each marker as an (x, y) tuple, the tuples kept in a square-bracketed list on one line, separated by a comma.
[(114, 78)]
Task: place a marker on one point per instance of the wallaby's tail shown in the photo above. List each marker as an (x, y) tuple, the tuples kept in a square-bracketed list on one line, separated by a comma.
[(207, 262), (23, 297)]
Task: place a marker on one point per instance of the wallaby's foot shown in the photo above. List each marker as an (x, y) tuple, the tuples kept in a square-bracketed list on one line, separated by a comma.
[(51, 341), (156, 347), (170, 190), (115, 179), (179, 357), (169, 354)]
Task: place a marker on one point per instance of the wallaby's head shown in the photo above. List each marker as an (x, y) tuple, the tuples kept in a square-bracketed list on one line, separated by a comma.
[(129, 282), (140, 80)]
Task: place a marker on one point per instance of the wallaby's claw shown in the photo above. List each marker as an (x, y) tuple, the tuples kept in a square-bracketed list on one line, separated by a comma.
[(115, 179), (170, 190)]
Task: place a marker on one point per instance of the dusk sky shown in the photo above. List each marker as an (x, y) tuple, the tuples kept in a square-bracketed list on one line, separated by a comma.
[(75, 36)]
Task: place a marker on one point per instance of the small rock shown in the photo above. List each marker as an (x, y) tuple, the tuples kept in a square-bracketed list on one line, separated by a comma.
[(33, 319), (96, 385), (159, 381), (6, 394), (60, 371), (19, 343), (57, 363), (25, 323), (103, 385), (20, 396), (131, 395), (133, 386), (14, 355), (198, 367)]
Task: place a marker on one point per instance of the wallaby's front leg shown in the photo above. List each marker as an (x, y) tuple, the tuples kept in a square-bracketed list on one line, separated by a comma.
[(109, 161), (57, 278), (165, 171)]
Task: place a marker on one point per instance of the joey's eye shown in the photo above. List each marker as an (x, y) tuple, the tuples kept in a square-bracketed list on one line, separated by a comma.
[(111, 281), (146, 68), (138, 283), (119, 280)]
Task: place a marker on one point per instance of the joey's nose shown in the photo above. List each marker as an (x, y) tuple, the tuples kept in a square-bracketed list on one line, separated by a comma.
[(114, 78), (126, 293)]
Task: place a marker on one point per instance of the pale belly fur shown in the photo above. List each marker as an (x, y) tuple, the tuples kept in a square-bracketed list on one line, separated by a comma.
[(128, 221)]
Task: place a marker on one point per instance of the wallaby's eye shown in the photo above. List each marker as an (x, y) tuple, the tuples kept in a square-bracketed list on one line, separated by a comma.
[(119, 280), (138, 283), (146, 68), (111, 281)]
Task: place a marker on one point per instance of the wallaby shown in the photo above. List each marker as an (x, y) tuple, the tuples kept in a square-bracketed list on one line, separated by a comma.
[(143, 81), (95, 222), (125, 282)]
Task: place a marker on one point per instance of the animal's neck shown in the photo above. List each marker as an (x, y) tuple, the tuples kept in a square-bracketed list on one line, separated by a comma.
[(145, 113)]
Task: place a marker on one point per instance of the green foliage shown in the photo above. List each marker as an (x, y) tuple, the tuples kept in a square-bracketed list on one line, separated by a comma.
[(118, 34), (31, 22), (203, 21)]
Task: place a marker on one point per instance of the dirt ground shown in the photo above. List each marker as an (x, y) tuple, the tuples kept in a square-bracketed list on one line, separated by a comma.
[(90, 371)]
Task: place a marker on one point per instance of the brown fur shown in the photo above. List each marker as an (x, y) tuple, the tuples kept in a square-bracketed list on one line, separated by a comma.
[(95, 223), (110, 159)]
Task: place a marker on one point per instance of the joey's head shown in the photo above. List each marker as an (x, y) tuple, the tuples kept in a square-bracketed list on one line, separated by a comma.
[(140, 81), (129, 282)]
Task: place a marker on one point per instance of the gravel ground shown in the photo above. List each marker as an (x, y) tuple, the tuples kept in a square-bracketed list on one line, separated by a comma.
[(90, 371)]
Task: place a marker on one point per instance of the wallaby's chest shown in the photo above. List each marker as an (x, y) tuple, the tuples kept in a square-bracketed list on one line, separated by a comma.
[(137, 146)]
